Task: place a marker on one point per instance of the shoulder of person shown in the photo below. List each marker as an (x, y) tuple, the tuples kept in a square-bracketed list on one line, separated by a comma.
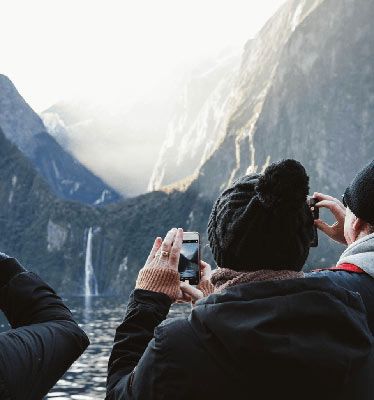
[(173, 331), (172, 325)]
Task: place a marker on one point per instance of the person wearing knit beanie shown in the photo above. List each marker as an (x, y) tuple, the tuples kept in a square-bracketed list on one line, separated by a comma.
[(263, 221), (355, 214), (261, 330), (359, 195)]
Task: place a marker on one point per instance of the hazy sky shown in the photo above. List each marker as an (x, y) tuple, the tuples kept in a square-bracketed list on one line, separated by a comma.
[(61, 49)]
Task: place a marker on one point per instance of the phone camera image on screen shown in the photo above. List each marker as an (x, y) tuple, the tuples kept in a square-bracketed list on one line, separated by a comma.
[(189, 261)]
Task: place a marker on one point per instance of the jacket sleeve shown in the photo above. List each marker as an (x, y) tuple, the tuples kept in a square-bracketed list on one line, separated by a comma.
[(44, 339), (145, 311)]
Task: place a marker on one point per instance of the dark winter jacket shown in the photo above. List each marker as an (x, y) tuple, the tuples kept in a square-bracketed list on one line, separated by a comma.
[(290, 339), (357, 282), (43, 341), (359, 254)]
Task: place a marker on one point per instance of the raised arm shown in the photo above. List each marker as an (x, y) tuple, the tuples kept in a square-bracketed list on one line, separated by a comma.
[(44, 340), (145, 311), (157, 287), (134, 365)]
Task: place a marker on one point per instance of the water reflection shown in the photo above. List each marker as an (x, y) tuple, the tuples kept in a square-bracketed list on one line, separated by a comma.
[(87, 310), (99, 317)]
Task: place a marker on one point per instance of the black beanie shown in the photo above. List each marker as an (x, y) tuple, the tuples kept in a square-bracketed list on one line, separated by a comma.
[(359, 195), (263, 221)]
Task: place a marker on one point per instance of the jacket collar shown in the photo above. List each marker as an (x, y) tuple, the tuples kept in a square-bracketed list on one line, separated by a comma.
[(360, 253)]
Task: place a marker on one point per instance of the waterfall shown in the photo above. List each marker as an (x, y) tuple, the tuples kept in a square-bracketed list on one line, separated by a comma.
[(90, 282)]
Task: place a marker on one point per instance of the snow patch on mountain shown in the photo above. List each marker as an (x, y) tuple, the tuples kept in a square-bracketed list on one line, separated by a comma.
[(55, 126)]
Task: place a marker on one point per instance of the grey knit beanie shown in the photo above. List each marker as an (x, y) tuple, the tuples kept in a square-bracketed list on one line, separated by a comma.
[(359, 195), (262, 221)]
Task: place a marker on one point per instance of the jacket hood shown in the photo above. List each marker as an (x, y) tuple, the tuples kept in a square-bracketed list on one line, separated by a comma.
[(286, 329), (360, 253)]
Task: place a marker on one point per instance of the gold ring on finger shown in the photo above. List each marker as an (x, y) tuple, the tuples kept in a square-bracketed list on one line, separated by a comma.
[(164, 253)]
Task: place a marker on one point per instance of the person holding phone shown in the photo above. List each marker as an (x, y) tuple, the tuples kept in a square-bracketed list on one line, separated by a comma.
[(260, 329), (353, 227)]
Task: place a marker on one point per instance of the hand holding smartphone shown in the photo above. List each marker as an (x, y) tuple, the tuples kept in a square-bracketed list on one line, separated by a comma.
[(312, 201), (189, 261)]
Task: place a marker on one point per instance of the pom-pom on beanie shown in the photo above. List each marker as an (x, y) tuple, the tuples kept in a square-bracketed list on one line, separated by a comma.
[(262, 221), (359, 195)]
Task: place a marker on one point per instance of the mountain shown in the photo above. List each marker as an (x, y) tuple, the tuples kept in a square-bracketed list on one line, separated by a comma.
[(28, 229), (305, 89), (69, 179), (154, 139), (198, 122), (129, 135), (323, 114), (50, 235), (321, 95)]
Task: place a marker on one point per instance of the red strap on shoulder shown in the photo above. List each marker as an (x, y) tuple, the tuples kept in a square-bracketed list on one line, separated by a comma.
[(348, 267), (343, 267)]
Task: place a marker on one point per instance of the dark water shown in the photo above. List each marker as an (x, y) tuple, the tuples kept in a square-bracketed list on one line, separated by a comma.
[(99, 317)]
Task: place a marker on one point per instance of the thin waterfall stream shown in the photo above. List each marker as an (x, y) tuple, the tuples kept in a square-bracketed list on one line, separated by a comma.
[(90, 282)]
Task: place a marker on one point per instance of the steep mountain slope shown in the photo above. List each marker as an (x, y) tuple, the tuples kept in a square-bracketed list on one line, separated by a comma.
[(260, 61), (324, 113), (198, 122), (30, 227), (307, 95), (68, 178)]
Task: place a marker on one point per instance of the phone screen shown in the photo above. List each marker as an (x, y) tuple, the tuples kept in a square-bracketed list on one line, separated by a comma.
[(189, 261)]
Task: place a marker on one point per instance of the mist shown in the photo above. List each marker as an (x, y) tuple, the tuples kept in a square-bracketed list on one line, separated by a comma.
[(107, 78)]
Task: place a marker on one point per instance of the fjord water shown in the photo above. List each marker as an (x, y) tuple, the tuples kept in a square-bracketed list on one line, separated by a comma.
[(99, 317)]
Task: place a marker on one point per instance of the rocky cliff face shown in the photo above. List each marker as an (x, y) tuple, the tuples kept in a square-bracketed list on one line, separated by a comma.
[(308, 95), (236, 154), (198, 122), (68, 178), (323, 114), (305, 90)]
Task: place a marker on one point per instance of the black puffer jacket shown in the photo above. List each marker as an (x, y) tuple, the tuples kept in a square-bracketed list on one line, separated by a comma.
[(44, 339), (358, 254), (291, 339), (360, 283)]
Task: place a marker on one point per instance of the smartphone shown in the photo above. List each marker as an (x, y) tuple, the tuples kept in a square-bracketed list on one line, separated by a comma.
[(189, 261), (312, 201)]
